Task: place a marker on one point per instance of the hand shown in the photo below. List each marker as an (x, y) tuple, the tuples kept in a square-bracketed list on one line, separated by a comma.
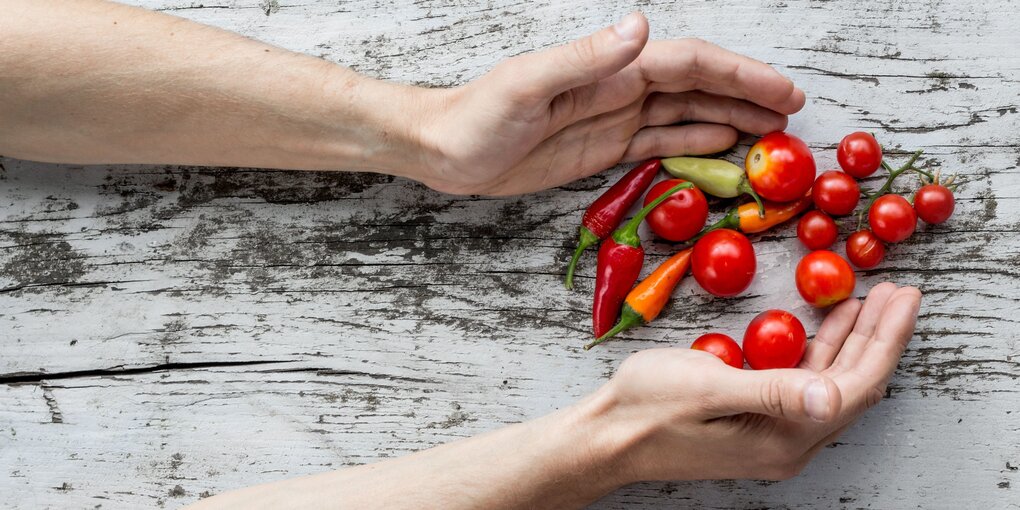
[(684, 414), (544, 119)]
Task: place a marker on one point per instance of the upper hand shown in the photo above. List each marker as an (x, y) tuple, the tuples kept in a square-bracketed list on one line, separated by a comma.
[(685, 414), (544, 119)]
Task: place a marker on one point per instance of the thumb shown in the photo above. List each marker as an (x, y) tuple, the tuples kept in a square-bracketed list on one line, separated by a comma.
[(551, 72), (791, 394)]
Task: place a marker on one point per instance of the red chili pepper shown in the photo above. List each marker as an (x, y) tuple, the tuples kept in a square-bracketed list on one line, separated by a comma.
[(619, 265), (644, 303), (606, 212)]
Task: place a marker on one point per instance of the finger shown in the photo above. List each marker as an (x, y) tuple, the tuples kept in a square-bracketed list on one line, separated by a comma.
[(893, 333), (791, 394), (867, 319), (691, 139), (664, 109), (545, 74), (822, 351), (685, 64)]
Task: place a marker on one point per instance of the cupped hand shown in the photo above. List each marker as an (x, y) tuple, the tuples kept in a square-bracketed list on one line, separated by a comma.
[(690, 416), (544, 119)]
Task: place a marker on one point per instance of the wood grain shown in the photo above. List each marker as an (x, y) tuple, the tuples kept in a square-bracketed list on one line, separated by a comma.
[(169, 333)]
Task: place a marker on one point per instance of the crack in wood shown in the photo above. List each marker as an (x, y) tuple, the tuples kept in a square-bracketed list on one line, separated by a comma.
[(40, 377)]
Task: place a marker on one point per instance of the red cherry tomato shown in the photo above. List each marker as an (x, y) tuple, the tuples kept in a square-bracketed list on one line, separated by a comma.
[(892, 218), (681, 216), (724, 348), (836, 193), (934, 203), (859, 154), (780, 167), (864, 249), (824, 278), (816, 230), (774, 339), (723, 262)]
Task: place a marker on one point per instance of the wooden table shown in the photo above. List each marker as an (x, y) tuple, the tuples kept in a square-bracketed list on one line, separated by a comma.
[(168, 333)]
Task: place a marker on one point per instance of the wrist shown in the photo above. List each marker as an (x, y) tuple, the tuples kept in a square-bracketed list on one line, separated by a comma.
[(610, 438), (377, 126)]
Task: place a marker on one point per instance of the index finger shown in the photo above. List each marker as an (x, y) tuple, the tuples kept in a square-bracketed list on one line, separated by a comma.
[(864, 382), (893, 333), (686, 64)]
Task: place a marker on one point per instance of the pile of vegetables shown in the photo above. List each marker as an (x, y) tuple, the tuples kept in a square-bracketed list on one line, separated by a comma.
[(779, 177)]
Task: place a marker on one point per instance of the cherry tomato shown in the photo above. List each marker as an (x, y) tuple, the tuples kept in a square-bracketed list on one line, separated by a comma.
[(780, 167), (816, 230), (836, 193), (724, 348), (681, 216), (774, 339), (859, 154), (723, 262), (824, 278), (892, 218), (934, 203), (864, 249)]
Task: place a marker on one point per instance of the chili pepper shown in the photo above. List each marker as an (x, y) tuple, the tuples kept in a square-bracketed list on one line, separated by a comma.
[(646, 301), (744, 218), (717, 177), (606, 212), (619, 265)]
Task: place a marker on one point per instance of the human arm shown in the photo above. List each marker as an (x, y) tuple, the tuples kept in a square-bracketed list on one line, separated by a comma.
[(667, 414), (88, 81)]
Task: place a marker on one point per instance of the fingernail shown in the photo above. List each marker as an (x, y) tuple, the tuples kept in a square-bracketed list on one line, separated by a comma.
[(816, 400), (629, 27)]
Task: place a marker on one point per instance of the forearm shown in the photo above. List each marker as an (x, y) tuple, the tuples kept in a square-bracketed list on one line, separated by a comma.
[(95, 82), (564, 460)]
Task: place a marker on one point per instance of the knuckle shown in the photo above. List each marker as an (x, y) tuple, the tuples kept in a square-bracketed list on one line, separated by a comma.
[(584, 53), (873, 397), (772, 397)]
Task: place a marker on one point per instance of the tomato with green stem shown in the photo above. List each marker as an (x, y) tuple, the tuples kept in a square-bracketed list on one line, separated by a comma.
[(780, 167), (859, 154), (892, 218), (864, 249), (681, 216), (722, 346), (934, 203), (774, 339), (824, 278), (816, 230), (723, 262), (836, 193)]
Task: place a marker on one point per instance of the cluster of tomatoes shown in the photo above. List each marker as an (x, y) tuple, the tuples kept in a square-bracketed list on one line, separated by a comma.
[(823, 277), (781, 169)]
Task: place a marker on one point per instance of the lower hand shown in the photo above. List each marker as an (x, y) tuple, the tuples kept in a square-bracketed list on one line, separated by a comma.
[(544, 119), (684, 414)]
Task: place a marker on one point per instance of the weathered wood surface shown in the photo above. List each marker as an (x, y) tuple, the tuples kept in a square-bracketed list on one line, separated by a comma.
[(168, 333)]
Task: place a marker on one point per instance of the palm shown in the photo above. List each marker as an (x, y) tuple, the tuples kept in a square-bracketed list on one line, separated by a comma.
[(858, 347)]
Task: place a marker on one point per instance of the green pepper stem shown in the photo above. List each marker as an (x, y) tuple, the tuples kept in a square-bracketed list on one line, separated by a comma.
[(586, 239), (731, 220), (628, 233), (628, 319), (745, 187)]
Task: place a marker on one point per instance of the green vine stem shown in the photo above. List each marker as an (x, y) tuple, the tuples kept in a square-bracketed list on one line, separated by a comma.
[(893, 174)]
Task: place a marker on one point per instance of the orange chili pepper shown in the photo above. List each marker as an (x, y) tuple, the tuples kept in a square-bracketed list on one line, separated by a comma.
[(645, 301), (745, 218)]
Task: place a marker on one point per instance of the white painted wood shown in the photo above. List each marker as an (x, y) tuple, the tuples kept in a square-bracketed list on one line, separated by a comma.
[(390, 318)]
